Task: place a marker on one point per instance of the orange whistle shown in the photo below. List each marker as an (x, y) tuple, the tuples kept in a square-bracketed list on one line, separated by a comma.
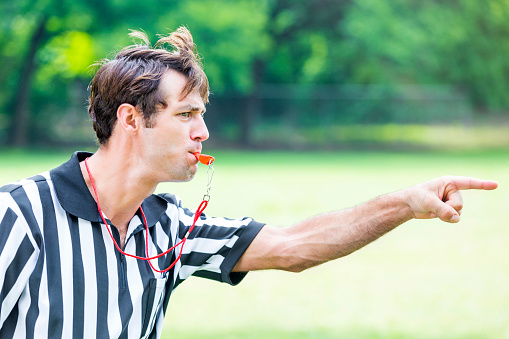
[(204, 159)]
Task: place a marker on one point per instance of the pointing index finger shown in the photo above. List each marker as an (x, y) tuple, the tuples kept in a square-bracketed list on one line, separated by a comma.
[(467, 183)]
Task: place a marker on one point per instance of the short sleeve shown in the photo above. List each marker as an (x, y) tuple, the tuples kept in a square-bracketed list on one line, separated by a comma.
[(214, 246)]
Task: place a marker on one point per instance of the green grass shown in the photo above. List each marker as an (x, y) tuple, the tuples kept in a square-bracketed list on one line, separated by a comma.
[(426, 279)]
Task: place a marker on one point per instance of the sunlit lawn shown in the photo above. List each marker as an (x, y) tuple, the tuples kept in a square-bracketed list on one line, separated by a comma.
[(426, 279)]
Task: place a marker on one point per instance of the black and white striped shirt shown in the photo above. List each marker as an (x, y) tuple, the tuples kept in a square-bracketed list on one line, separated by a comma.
[(62, 277)]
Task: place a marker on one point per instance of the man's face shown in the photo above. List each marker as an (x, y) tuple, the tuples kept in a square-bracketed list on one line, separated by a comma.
[(178, 131)]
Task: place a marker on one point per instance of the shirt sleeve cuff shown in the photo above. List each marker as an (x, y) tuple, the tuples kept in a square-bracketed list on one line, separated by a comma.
[(241, 245)]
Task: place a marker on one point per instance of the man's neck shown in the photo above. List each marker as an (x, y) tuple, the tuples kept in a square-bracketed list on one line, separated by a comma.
[(119, 186)]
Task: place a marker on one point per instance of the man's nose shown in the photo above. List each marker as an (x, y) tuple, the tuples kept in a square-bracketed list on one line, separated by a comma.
[(200, 131)]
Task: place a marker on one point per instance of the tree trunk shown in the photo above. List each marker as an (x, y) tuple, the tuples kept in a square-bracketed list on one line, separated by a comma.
[(21, 120)]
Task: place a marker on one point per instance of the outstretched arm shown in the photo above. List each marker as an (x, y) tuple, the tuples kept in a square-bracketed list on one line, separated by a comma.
[(334, 235)]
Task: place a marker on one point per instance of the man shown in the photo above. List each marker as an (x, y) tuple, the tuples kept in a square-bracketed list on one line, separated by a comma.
[(67, 236)]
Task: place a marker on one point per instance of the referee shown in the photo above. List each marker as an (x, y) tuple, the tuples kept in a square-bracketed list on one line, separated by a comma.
[(68, 236)]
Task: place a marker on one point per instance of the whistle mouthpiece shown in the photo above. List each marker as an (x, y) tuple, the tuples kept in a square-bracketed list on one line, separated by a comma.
[(204, 159)]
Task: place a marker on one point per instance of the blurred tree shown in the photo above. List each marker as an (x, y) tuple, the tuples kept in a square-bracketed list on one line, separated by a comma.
[(60, 48), (15, 55), (47, 45), (229, 34), (458, 42), (35, 22), (301, 32)]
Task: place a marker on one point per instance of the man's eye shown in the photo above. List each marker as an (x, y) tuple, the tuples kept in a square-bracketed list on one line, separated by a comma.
[(185, 115)]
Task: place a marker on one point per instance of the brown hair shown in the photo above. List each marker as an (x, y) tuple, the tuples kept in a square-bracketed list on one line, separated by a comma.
[(133, 77)]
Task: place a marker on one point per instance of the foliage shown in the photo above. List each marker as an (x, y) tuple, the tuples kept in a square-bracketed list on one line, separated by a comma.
[(245, 44), (451, 42), (229, 35)]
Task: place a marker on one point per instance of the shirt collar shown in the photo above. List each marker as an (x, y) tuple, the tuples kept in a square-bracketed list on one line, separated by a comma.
[(75, 198)]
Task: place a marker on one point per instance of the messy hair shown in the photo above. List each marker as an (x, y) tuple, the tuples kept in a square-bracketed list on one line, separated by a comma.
[(134, 74)]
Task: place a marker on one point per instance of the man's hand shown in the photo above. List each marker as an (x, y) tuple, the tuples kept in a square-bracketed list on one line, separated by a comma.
[(441, 197)]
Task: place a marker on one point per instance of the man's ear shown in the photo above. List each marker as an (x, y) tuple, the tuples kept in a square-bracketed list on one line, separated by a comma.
[(129, 118)]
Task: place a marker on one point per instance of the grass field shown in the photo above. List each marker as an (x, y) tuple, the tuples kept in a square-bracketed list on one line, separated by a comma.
[(426, 279)]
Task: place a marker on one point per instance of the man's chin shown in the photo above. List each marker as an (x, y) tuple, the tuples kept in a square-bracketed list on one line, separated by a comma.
[(190, 177), (187, 176)]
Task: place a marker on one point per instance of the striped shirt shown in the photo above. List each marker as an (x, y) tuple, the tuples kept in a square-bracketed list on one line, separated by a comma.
[(62, 277)]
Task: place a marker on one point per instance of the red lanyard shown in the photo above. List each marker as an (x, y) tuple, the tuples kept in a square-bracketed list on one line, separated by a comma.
[(204, 159)]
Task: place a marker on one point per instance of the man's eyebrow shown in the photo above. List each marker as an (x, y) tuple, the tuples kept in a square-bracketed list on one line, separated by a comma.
[(192, 108)]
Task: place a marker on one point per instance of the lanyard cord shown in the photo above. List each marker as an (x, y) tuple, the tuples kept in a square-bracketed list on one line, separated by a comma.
[(197, 214)]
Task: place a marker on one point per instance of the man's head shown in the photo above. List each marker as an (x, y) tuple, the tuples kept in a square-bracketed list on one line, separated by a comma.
[(134, 75)]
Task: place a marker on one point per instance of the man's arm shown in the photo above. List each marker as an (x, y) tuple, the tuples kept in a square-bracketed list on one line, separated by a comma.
[(334, 235)]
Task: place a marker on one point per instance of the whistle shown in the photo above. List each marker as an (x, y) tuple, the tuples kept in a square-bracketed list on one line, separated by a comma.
[(204, 159)]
